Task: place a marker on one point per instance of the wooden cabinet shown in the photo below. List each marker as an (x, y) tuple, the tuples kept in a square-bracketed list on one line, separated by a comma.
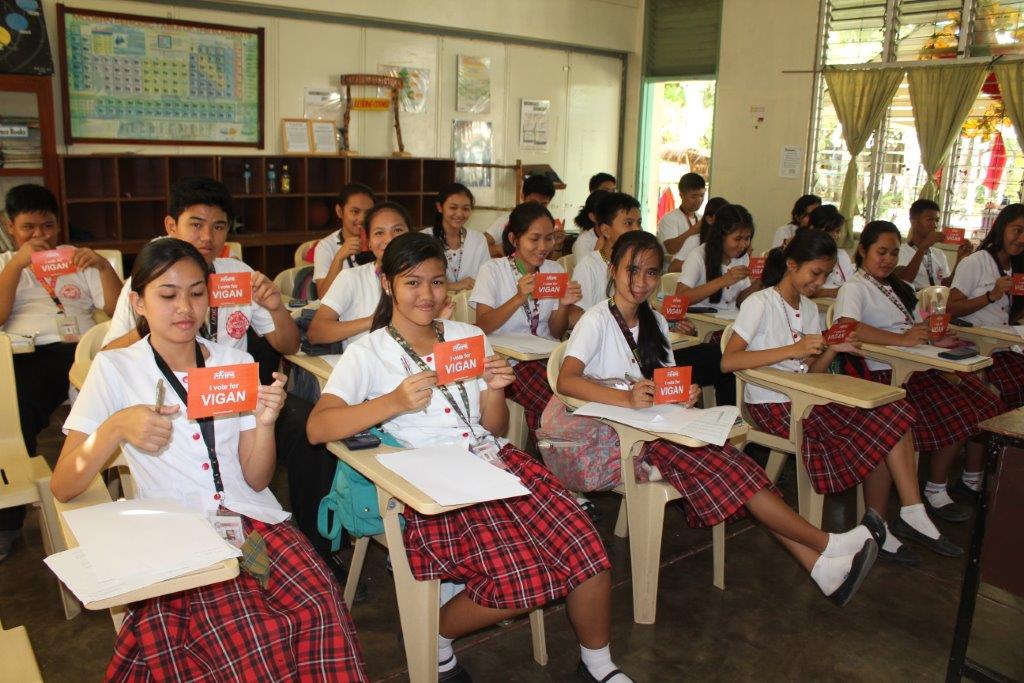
[(26, 106), (120, 201)]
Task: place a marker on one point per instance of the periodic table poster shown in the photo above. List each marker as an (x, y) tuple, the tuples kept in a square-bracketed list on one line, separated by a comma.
[(138, 79)]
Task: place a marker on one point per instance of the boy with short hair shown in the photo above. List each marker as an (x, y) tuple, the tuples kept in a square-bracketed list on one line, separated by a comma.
[(536, 188), (678, 224), (920, 262), (602, 181)]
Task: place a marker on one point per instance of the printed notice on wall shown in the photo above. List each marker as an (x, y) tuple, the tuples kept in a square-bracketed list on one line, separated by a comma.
[(533, 125), (790, 161)]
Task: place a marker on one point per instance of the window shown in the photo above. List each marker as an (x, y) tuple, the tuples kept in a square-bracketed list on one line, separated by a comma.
[(986, 165)]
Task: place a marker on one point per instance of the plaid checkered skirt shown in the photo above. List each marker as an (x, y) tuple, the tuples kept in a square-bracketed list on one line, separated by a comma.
[(947, 413), (297, 629), (1007, 375), (514, 553), (842, 445), (530, 390)]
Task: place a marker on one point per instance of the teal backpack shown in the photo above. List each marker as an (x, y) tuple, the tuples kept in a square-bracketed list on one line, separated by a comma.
[(351, 505)]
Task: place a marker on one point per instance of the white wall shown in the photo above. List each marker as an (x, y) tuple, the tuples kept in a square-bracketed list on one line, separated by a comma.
[(760, 39)]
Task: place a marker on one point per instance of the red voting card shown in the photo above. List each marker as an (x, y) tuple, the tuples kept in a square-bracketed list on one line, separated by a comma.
[(953, 235), (756, 267), (938, 323), (1018, 284), (550, 285), (223, 390), (51, 264), (672, 385), (459, 359), (674, 308), (840, 332), (230, 289)]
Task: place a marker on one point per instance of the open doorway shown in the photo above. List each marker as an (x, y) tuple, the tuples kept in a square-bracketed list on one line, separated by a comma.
[(675, 139)]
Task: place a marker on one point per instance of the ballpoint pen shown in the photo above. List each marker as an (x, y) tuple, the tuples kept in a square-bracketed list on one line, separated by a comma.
[(159, 395)]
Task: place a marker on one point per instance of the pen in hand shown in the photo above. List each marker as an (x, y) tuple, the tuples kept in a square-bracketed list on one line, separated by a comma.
[(160, 391)]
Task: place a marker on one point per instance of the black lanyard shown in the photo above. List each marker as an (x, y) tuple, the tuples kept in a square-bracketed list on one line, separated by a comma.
[(891, 296), (624, 328), (396, 335), (1002, 273), (532, 315), (209, 331), (205, 423)]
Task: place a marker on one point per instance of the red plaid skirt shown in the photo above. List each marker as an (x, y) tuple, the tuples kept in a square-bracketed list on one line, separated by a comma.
[(1007, 375), (842, 445), (530, 390), (297, 629), (947, 413), (514, 553), (715, 481)]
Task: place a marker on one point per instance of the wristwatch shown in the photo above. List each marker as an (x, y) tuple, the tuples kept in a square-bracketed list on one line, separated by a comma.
[(988, 298)]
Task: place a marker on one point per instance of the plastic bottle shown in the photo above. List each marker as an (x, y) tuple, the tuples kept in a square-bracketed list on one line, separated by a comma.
[(271, 180)]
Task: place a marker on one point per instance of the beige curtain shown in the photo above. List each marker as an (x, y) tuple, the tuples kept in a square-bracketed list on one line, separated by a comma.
[(1011, 85), (942, 97), (861, 97)]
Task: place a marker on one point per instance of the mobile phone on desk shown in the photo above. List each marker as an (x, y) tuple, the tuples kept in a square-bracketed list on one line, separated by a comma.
[(960, 353), (361, 441), (960, 322), (701, 309), (297, 303)]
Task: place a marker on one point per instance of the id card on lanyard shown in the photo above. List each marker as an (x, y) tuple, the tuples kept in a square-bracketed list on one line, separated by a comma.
[(532, 313), (47, 267)]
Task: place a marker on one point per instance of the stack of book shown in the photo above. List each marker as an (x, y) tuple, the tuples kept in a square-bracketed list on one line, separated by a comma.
[(20, 145)]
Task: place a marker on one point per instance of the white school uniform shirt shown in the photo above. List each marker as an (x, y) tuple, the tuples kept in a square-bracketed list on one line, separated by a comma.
[(354, 294), (766, 321), (33, 311), (592, 274), (325, 251), (842, 272), (933, 261), (694, 274), (232, 321), (860, 299), (585, 243), (783, 233), (497, 282), (372, 367), (675, 223), (496, 228), (689, 244), (122, 378), (465, 261), (598, 343), (975, 276)]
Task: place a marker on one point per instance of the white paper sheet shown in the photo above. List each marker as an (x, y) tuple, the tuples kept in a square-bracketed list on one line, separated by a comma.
[(524, 343), (73, 568), (711, 425), (934, 351), (451, 475), (726, 313)]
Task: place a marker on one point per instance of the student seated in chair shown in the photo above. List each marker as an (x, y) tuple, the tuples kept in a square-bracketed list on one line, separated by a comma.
[(282, 618), (707, 221), (921, 263), (512, 555), (54, 311), (345, 247), (717, 273), (611, 357), (678, 225), (201, 211), (779, 327), (465, 248), (538, 189)]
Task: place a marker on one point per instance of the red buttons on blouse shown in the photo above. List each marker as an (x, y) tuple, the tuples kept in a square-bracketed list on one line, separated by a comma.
[(216, 496), (447, 410), (195, 437), (206, 466), (430, 359), (465, 435)]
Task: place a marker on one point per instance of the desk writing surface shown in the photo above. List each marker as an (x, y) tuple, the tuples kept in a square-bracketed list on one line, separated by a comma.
[(1009, 424), (840, 388), (888, 354), (313, 364)]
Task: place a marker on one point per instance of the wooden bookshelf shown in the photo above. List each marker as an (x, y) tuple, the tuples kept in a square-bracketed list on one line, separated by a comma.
[(120, 201)]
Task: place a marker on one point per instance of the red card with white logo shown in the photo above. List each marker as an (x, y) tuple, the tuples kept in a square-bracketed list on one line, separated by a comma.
[(50, 264), (230, 289), (550, 285), (674, 308), (672, 385), (953, 235), (222, 390), (1018, 285), (756, 267), (840, 332), (938, 323), (459, 359)]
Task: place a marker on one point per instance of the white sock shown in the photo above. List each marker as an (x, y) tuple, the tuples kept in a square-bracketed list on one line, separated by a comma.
[(892, 544), (917, 517), (830, 572), (971, 480), (937, 494), (849, 543), (449, 589), (599, 664), (445, 654), (581, 499)]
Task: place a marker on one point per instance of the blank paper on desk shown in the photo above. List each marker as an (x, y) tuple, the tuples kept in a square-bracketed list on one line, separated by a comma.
[(451, 475)]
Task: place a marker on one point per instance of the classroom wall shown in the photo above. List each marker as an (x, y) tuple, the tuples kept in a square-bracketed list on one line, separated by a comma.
[(585, 90), (760, 39)]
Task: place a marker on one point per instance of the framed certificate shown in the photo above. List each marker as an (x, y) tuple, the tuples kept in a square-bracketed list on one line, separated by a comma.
[(325, 137)]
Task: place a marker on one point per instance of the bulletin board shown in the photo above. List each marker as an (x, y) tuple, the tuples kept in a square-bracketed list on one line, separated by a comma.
[(135, 79)]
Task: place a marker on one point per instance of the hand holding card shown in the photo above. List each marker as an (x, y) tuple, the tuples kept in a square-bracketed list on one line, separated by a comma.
[(840, 333), (550, 285), (50, 264), (459, 359), (672, 385), (674, 307), (756, 267), (230, 289), (223, 390), (938, 323), (1018, 285), (953, 235)]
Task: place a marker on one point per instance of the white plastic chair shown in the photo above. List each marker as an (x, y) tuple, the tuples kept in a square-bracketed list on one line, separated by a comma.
[(285, 280), (115, 259), (300, 253), (568, 262), (668, 283)]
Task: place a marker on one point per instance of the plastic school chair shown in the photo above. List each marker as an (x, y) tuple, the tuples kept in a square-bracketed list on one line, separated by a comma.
[(668, 283), (285, 280), (115, 259), (805, 390), (232, 249), (19, 660), (301, 251), (88, 346), (642, 512), (464, 313), (568, 262), (418, 601), (25, 479)]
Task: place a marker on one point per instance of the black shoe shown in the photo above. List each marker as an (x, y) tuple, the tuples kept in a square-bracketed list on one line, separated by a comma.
[(940, 545), (862, 563), (904, 555), (950, 512), (584, 673), (457, 675), (963, 492), (591, 510)]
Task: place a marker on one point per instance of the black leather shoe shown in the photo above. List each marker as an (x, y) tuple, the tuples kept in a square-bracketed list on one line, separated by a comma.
[(904, 555), (862, 563), (584, 673), (940, 545), (457, 675), (876, 525), (591, 510), (950, 512), (963, 492)]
